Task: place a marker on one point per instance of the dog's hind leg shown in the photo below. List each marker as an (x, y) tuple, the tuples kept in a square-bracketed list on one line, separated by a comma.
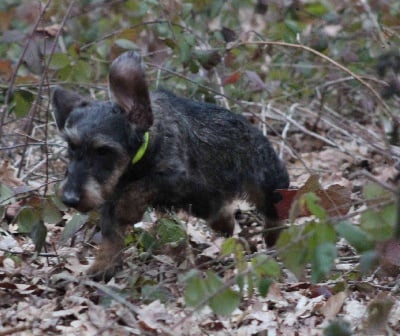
[(265, 203), (223, 221)]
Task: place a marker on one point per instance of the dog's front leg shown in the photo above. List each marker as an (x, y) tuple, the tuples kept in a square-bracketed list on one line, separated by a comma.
[(109, 255)]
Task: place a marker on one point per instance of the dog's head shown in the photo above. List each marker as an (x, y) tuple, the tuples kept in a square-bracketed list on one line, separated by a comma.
[(103, 136)]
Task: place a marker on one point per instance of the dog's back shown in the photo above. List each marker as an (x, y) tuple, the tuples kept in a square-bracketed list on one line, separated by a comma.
[(209, 154)]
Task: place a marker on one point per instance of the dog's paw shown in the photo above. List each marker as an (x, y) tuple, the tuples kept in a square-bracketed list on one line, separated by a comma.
[(108, 261), (100, 271)]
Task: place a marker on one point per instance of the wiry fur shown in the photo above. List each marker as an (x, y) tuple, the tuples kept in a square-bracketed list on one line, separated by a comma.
[(200, 158)]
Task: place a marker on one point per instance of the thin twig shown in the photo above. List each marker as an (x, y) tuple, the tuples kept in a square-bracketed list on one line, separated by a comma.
[(14, 330), (18, 65), (29, 253), (372, 16), (374, 179), (115, 296), (331, 61), (44, 76)]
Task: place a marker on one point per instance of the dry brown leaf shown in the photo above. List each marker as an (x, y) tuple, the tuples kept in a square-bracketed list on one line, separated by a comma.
[(7, 175), (51, 31), (311, 185), (5, 69), (333, 305), (231, 79), (155, 317), (97, 316), (336, 199)]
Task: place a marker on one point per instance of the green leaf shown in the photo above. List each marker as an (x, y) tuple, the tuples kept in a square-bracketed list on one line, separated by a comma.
[(319, 233), (379, 224), (373, 191), (6, 194), (323, 261), (57, 202), (368, 261), (23, 101), (184, 51), (293, 249), (155, 292), (2, 212), (163, 30), (50, 213), (214, 282), (294, 26), (125, 44), (64, 73), (216, 7), (263, 286), (207, 58), (38, 235), (263, 265), (186, 9), (148, 241), (170, 231), (59, 61), (312, 202), (185, 46), (196, 290), (229, 246), (193, 67), (356, 237), (81, 71), (73, 225), (250, 284), (223, 300), (316, 9), (338, 328), (26, 219)]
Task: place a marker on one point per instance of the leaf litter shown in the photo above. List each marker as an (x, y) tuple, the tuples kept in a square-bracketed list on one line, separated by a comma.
[(48, 292)]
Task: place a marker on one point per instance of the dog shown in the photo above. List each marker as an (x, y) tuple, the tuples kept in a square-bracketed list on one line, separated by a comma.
[(155, 149)]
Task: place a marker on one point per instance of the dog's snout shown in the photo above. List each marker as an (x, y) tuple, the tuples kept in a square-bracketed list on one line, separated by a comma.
[(71, 199)]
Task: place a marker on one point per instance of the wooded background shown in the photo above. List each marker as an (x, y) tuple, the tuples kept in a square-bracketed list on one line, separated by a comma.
[(320, 78)]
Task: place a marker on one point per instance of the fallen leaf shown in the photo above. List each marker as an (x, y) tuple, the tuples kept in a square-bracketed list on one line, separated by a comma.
[(333, 305), (231, 79), (8, 175), (335, 199), (51, 31), (5, 70), (283, 207)]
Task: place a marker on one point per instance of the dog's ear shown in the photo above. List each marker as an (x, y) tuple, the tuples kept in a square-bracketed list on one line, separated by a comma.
[(128, 88), (64, 101)]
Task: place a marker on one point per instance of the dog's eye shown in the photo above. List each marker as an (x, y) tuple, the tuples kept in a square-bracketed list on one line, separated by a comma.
[(72, 147), (103, 151)]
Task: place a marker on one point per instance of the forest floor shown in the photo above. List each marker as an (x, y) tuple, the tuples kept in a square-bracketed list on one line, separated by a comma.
[(344, 139)]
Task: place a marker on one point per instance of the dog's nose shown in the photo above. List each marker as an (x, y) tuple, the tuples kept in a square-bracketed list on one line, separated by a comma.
[(71, 199)]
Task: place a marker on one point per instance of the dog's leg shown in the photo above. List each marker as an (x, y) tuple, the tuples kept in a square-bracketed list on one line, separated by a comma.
[(108, 259), (109, 253), (223, 221), (264, 202), (115, 217)]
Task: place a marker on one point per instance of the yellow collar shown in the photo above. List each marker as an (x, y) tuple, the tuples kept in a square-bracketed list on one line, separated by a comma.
[(142, 149)]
